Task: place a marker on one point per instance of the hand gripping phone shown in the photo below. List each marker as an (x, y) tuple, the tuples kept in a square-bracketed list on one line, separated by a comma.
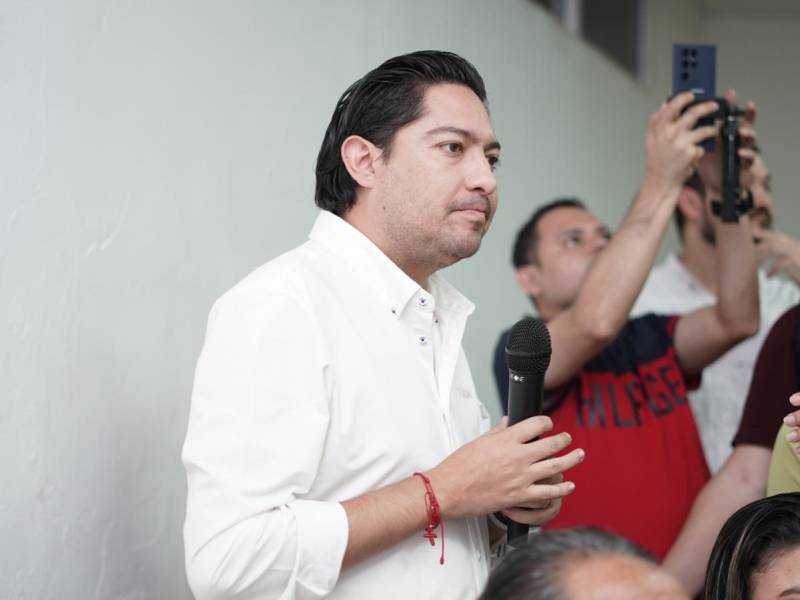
[(694, 69)]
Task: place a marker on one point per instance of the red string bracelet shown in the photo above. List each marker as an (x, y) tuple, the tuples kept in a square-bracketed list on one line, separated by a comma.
[(434, 515)]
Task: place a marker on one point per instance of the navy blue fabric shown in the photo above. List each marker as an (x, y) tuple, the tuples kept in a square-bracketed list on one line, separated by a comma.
[(640, 340)]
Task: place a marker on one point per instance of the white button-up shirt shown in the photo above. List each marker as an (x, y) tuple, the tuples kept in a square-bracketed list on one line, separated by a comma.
[(717, 405), (325, 374)]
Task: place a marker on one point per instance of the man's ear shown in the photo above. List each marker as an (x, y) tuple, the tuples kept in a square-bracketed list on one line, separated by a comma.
[(360, 157), (529, 280), (691, 205)]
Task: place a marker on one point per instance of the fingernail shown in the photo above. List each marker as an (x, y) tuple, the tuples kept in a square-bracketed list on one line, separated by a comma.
[(790, 420), (795, 400), (570, 486), (581, 453), (793, 436)]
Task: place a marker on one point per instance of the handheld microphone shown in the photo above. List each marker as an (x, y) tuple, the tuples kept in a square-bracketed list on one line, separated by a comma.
[(527, 356)]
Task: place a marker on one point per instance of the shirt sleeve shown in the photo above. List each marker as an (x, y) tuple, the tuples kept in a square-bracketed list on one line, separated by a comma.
[(774, 380), (255, 439), (784, 468)]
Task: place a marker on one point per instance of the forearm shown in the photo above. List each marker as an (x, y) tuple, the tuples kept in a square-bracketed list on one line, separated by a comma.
[(737, 303), (627, 259), (380, 519), (740, 481)]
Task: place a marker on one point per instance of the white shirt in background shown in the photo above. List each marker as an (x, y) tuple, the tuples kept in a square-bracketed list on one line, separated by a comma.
[(325, 374), (717, 405)]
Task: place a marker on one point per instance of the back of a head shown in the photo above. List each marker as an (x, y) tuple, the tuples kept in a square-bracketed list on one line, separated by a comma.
[(376, 106), (537, 569), (748, 541)]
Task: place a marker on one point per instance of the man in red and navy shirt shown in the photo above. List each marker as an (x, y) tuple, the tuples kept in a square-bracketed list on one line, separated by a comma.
[(618, 386)]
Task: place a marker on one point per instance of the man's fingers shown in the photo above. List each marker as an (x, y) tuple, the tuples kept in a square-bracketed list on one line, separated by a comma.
[(749, 112), (695, 136), (673, 108), (533, 517), (543, 469), (794, 399), (540, 493), (747, 135), (748, 155), (692, 115), (530, 428), (550, 480), (776, 267), (503, 424), (546, 447)]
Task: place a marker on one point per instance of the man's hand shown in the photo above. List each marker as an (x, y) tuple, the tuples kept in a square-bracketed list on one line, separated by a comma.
[(710, 166), (672, 143), (780, 251), (501, 470), (537, 513), (793, 421)]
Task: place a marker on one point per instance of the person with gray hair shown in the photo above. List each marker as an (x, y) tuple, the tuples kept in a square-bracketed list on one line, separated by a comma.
[(580, 564)]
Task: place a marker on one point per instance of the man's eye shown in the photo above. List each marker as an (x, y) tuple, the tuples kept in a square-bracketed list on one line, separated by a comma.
[(453, 147), (494, 161), (572, 240)]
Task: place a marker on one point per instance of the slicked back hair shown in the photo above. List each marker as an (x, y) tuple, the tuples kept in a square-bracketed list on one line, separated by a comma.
[(536, 569), (376, 106)]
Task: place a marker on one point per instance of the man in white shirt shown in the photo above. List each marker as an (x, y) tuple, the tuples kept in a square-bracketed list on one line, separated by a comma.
[(334, 418)]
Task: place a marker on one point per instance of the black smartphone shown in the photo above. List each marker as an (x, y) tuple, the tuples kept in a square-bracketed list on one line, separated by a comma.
[(694, 69)]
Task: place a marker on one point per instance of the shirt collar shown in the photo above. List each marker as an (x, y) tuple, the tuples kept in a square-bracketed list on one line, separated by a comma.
[(674, 264), (397, 289)]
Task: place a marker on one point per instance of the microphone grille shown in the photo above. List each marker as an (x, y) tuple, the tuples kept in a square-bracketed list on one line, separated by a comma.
[(528, 346)]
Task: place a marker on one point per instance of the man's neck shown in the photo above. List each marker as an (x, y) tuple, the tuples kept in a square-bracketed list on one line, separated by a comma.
[(416, 271), (699, 257)]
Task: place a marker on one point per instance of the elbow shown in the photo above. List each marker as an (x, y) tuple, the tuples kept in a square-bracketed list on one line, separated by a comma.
[(205, 578), (222, 570), (601, 331), (741, 329)]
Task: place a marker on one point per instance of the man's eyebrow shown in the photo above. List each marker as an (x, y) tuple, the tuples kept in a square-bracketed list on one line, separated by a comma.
[(493, 145), (570, 231), (795, 589)]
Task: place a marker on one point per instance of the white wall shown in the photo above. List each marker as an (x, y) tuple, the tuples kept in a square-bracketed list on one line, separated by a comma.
[(759, 56), (152, 154)]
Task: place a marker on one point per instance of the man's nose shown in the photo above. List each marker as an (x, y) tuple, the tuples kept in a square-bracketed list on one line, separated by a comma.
[(761, 198), (480, 176)]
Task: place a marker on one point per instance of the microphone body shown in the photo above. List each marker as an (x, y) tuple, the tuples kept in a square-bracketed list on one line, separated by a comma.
[(527, 356), (525, 393)]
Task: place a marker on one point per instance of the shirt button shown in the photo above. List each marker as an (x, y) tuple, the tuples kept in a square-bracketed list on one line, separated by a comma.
[(423, 340)]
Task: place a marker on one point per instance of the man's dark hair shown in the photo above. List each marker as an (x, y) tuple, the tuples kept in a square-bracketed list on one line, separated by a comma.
[(376, 106), (749, 540), (535, 570), (694, 182), (524, 251)]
